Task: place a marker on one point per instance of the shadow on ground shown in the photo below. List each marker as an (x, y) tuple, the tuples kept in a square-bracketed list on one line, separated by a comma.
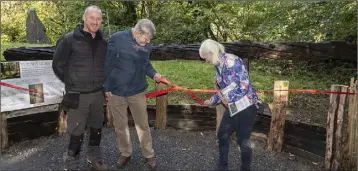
[(175, 150)]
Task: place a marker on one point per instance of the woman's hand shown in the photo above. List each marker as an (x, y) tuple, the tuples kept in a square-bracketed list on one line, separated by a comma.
[(207, 102), (224, 100)]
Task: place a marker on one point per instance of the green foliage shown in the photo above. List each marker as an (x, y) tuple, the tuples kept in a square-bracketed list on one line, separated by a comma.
[(186, 22)]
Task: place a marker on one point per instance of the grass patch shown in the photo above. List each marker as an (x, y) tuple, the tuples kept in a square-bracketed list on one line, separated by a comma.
[(189, 74)]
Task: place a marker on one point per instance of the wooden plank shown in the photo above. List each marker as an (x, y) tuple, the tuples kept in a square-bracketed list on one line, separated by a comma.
[(352, 125), (302, 153), (334, 128), (4, 133), (46, 129), (314, 146), (33, 110), (196, 109), (161, 107), (330, 128), (338, 130), (275, 139), (309, 134), (32, 123)]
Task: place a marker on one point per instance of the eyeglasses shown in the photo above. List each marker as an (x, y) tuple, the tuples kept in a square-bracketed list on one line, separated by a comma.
[(146, 37)]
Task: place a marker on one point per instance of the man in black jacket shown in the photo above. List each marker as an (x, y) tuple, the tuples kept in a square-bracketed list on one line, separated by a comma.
[(79, 62)]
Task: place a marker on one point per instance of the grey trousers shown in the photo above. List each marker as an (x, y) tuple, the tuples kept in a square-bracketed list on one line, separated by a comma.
[(90, 113)]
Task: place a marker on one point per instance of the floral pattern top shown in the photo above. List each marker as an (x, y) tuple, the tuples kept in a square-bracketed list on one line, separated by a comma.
[(233, 80)]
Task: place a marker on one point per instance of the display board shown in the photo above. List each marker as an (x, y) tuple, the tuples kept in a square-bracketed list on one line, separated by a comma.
[(32, 75)]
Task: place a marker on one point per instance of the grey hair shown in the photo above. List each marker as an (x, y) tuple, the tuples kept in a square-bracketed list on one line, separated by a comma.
[(212, 46), (145, 26), (90, 8)]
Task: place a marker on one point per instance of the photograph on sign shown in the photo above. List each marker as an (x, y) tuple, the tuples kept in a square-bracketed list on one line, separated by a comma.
[(38, 96), (10, 70)]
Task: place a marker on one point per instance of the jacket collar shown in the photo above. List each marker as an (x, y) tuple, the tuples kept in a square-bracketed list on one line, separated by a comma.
[(79, 32)]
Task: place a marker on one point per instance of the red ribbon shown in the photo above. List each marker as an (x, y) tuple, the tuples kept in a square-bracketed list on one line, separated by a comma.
[(200, 101), (190, 91), (17, 87)]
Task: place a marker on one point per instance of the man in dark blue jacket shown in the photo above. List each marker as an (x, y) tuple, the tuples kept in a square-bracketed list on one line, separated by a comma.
[(126, 67)]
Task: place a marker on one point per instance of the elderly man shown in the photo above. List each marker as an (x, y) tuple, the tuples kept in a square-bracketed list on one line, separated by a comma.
[(79, 62), (127, 64)]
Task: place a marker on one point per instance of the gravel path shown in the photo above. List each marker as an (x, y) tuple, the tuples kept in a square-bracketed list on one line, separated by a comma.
[(175, 150)]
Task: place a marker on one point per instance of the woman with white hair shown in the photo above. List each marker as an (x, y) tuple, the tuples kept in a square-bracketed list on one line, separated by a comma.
[(238, 95)]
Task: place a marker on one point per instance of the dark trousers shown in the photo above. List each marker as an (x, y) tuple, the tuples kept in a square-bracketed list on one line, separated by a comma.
[(242, 123), (90, 113)]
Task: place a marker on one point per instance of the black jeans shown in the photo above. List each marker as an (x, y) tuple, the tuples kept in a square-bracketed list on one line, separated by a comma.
[(242, 123)]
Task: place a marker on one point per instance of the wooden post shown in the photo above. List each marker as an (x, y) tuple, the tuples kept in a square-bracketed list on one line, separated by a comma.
[(275, 139), (109, 117), (334, 128), (3, 131), (62, 121), (349, 155), (161, 107)]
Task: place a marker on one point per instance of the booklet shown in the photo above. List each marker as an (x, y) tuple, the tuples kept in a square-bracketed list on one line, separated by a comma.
[(239, 105)]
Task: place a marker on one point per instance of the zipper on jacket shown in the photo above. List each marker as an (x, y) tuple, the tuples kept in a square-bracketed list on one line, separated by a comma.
[(93, 67)]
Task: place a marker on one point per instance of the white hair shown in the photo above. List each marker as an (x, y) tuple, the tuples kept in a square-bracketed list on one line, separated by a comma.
[(90, 8), (145, 26), (213, 48)]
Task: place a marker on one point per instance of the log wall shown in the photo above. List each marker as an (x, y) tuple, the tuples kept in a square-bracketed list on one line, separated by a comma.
[(308, 51), (301, 139)]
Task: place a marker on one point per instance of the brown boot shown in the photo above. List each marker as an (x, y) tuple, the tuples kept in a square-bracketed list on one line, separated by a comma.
[(152, 163), (122, 161), (95, 159), (98, 166)]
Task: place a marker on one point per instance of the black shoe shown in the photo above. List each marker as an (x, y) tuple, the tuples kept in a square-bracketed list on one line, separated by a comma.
[(71, 162)]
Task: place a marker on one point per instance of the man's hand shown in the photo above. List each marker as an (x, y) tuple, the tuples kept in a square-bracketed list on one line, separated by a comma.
[(157, 77), (108, 94)]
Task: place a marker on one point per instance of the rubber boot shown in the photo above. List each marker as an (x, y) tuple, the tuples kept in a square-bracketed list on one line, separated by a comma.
[(94, 158), (71, 156)]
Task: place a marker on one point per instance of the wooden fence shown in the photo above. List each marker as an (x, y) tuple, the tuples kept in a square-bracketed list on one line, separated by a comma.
[(306, 141), (337, 148)]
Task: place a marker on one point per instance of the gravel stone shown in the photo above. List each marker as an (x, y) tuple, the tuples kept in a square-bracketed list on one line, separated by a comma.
[(175, 150)]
